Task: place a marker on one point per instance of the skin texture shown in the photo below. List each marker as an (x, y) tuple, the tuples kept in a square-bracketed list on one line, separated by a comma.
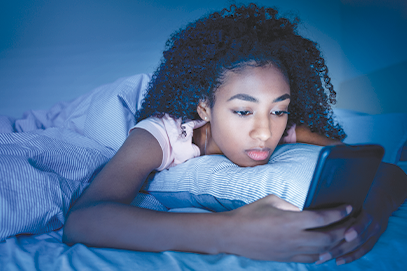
[(250, 114)]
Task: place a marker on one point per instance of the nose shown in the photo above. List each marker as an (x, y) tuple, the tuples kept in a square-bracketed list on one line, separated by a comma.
[(261, 129)]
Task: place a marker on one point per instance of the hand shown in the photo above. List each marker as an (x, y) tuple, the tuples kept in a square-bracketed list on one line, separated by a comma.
[(282, 204), (388, 192), (362, 235), (261, 231)]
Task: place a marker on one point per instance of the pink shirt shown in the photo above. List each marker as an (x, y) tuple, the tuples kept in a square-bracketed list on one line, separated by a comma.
[(175, 138)]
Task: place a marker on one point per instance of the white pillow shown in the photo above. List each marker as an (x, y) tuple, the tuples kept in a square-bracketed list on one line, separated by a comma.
[(213, 182)]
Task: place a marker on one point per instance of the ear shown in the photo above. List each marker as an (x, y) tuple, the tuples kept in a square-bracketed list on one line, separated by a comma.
[(204, 111)]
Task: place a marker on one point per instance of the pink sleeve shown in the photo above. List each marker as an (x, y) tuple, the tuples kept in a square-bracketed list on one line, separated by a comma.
[(176, 142), (291, 136), (155, 126)]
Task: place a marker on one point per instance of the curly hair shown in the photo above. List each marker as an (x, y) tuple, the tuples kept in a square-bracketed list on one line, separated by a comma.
[(196, 58)]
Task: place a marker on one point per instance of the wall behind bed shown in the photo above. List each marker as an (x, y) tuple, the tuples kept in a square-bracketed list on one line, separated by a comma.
[(55, 50), (374, 60)]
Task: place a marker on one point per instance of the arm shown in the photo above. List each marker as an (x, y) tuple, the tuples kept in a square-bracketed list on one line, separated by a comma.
[(102, 217), (304, 135)]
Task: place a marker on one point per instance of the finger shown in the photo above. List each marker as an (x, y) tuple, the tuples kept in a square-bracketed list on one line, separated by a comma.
[(334, 238), (361, 225), (340, 249), (196, 123), (322, 241), (286, 207), (358, 253), (313, 249), (304, 258), (324, 257), (291, 208), (281, 204), (348, 246), (322, 218), (333, 253)]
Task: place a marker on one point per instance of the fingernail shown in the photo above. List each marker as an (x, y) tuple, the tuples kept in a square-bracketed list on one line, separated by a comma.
[(350, 236), (340, 261), (348, 209), (324, 257)]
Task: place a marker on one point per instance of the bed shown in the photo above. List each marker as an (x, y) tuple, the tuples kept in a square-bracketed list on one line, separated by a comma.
[(48, 157)]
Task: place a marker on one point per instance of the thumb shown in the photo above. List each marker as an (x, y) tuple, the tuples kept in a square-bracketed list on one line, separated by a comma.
[(281, 204)]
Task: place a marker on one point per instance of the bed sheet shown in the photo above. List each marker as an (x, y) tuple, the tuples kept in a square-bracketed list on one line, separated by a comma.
[(46, 252)]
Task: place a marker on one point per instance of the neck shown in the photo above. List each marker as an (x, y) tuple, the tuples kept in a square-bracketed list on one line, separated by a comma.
[(200, 136)]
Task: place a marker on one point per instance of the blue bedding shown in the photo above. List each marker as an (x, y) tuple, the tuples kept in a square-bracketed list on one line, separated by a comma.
[(42, 172), (46, 252), (48, 158)]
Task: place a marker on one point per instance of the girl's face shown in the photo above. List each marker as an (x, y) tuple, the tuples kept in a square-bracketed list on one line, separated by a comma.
[(249, 116)]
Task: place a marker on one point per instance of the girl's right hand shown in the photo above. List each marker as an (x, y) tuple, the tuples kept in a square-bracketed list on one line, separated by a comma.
[(262, 230), (279, 203)]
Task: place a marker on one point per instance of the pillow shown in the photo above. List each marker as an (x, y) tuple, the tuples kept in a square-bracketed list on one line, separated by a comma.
[(107, 114), (388, 130), (214, 183)]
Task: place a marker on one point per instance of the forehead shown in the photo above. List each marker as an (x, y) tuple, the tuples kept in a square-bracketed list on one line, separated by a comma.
[(266, 80)]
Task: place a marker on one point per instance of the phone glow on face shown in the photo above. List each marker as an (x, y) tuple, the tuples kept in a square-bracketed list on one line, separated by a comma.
[(250, 115)]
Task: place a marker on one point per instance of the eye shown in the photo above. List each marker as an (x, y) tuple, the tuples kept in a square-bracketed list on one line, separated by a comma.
[(242, 113), (279, 113)]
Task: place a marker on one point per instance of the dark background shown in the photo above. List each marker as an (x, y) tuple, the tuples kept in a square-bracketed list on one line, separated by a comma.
[(55, 50)]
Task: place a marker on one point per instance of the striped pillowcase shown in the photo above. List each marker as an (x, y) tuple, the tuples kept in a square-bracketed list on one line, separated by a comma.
[(214, 183)]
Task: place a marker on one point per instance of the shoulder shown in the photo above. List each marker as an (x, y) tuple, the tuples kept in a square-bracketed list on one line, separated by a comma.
[(174, 138), (168, 125)]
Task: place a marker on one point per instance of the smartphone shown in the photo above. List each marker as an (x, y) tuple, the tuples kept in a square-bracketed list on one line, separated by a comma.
[(343, 175)]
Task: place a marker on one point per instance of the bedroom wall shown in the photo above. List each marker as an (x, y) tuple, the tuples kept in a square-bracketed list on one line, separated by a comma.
[(380, 91), (374, 42), (54, 50)]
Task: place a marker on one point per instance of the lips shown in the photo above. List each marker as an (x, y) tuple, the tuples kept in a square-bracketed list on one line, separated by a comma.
[(258, 154)]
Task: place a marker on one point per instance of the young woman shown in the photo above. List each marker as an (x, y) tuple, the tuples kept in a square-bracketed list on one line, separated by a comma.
[(236, 83)]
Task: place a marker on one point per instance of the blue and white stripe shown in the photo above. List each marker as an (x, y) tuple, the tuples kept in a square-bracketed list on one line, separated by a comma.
[(41, 175), (225, 184)]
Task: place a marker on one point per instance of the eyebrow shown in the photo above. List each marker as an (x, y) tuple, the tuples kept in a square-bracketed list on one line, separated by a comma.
[(249, 98)]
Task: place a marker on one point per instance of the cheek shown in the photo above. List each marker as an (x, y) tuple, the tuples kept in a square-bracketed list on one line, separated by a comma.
[(227, 134), (223, 132), (279, 128)]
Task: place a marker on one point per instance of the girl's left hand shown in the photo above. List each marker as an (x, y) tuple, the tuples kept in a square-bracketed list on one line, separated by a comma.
[(387, 193), (362, 235)]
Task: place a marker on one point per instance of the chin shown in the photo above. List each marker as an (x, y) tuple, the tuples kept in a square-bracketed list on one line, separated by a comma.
[(252, 163)]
